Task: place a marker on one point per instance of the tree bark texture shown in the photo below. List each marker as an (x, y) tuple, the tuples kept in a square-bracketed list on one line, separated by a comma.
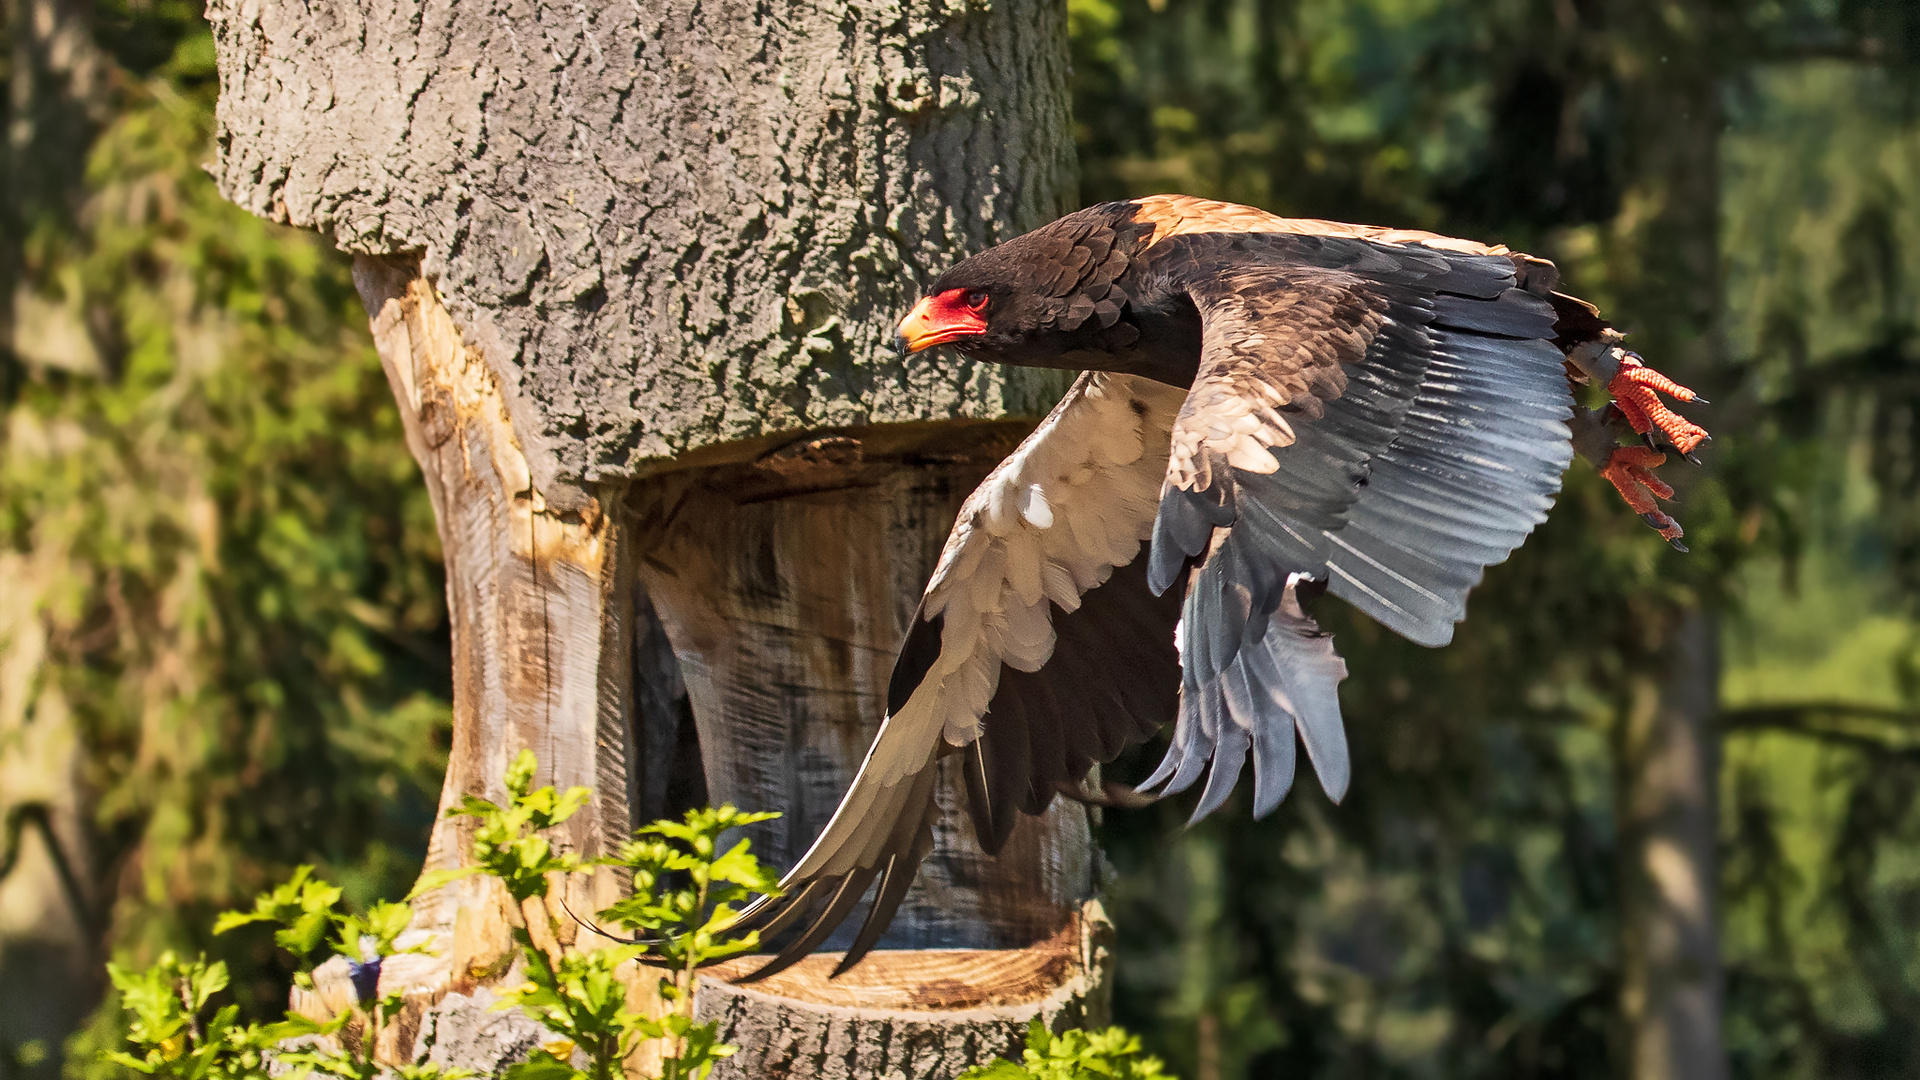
[(1671, 59), (664, 225)]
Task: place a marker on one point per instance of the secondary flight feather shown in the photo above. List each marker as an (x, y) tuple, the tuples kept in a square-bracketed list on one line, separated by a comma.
[(1268, 408)]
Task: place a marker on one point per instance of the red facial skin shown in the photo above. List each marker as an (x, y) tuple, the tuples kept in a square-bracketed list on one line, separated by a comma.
[(944, 317)]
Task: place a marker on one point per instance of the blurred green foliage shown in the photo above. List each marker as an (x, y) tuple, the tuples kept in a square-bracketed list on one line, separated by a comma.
[(1458, 915), (206, 506), (1109, 1054)]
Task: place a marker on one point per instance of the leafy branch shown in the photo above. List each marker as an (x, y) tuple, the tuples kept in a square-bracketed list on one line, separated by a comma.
[(507, 845), (167, 1001), (1112, 1054), (685, 888)]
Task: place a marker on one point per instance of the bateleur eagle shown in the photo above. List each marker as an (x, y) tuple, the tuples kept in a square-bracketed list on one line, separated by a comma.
[(1267, 407)]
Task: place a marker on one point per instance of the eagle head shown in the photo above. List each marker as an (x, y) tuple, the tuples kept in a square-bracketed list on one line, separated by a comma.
[(1073, 294), (995, 305)]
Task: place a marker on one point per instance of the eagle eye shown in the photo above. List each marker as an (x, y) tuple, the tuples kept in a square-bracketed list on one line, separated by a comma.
[(977, 299)]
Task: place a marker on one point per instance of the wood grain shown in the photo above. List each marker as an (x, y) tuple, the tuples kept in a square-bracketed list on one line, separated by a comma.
[(540, 653)]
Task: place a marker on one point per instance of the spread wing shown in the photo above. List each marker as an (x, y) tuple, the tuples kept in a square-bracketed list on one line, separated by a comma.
[(1384, 420), (1037, 651)]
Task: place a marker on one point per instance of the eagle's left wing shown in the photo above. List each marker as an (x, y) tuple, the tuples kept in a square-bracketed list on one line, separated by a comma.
[(1384, 420)]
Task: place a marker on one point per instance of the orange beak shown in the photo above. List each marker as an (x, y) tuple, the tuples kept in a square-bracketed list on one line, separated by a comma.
[(936, 320)]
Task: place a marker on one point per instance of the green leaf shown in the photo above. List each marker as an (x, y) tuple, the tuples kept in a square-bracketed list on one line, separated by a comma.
[(1075, 1055), (520, 773), (302, 907), (434, 879), (297, 1026), (423, 1071), (700, 1049), (542, 1066)]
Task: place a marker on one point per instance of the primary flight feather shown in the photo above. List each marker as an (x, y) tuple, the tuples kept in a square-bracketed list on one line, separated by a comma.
[(1268, 407)]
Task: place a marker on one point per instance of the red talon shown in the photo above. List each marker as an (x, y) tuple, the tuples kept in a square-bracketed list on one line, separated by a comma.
[(1636, 392), (1627, 470)]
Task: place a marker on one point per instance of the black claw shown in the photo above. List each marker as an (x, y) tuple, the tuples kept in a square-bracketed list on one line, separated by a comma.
[(1656, 520), (1695, 458), (1652, 444), (1698, 400), (1679, 547)]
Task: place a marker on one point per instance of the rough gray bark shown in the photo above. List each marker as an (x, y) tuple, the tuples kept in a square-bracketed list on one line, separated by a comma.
[(665, 225), (632, 273)]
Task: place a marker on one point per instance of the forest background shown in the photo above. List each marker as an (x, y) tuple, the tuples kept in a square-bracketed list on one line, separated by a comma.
[(223, 643)]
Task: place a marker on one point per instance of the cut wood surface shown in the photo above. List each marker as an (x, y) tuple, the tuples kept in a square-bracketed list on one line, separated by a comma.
[(540, 652), (922, 1013)]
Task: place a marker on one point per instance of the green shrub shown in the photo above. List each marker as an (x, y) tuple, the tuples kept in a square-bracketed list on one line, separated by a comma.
[(1113, 1054)]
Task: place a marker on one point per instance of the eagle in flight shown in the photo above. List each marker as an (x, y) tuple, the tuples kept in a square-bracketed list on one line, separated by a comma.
[(1267, 408)]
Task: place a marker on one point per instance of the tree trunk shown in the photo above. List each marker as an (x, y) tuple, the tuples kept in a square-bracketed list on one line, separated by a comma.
[(1670, 59), (631, 275), (1667, 754)]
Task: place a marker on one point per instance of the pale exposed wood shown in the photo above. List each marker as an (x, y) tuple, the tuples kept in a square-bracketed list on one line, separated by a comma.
[(923, 980), (540, 657), (786, 590)]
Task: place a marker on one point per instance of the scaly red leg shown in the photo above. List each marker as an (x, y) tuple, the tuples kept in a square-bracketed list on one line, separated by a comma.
[(1627, 469), (1636, 389)]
